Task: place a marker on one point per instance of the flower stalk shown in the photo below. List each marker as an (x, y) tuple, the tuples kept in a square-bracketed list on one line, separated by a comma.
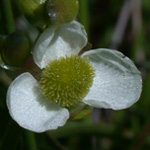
[(7, 12), (84, 16), (30, 139)]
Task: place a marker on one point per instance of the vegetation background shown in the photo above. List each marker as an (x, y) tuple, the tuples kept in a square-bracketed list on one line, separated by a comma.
[(118, 24)]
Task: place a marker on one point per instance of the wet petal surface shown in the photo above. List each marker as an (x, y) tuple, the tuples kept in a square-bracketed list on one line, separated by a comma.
[(55, 43), (117, 83), (30, 109)]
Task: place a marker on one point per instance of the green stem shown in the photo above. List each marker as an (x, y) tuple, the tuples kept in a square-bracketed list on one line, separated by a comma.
[(74, 129), (8, 16), (8, 141), (30, 139), (84, 15), (1, 21)]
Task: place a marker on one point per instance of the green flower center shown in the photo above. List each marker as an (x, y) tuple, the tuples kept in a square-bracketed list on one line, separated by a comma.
[(67, 80)]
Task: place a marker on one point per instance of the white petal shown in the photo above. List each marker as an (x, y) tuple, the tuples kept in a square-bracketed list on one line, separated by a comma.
[(117, 83), (66, 40), (29, 108)]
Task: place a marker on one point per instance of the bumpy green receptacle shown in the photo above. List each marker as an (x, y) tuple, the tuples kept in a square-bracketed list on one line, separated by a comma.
[(66, 81)]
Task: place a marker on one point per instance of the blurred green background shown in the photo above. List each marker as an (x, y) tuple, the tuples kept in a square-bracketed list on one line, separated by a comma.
[(118, 24)]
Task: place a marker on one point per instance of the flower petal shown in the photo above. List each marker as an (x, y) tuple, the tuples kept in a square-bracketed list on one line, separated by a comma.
[(117, 83), (30, 109), (66, 40)]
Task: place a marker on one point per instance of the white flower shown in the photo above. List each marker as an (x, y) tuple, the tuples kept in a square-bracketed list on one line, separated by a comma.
[(117, 83)]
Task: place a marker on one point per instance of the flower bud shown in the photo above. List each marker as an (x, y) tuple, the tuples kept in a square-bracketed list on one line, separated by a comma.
[(15, 49), (62, 11), (34, 10)]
